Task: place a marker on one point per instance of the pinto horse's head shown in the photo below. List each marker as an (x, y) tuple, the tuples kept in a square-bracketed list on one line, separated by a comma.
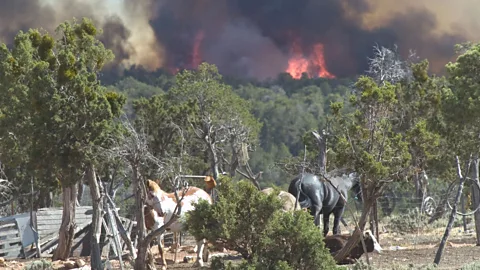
[(210, 183), (152, 187)]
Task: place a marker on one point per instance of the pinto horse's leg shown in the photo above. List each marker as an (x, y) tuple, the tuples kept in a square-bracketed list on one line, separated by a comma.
[(161, 251), (200, 247), (176, 246)]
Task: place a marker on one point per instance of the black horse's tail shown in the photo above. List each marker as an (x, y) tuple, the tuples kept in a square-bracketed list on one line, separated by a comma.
[(303, 199)]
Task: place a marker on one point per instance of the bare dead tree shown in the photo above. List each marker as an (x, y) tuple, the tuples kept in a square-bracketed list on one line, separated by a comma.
[(387, 66), (133, 148), (322, 145), (222, 136), (248, 173), (6, 192), (453, 214)]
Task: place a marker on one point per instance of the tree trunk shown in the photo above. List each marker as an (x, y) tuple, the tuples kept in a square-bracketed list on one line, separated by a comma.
[(322, 153), (322, 157), (97, 202), (143, 246), (453, 214), (476, 197), (67, 228), (44, 199), (418, 191), (144, 258), (214, 162), (49, 202), (355, 238), (80, 192), (234, 161), (374, 220), (464, 218)]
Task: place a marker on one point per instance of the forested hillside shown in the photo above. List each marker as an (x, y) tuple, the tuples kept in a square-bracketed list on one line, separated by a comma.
[(287, 108)]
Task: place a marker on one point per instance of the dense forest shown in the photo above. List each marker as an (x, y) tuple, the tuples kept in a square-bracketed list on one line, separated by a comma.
[(286, 108)]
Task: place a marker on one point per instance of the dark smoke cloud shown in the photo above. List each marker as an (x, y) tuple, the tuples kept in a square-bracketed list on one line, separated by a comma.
[(114, 37), (253, 38), (18, 15), (258, 46)]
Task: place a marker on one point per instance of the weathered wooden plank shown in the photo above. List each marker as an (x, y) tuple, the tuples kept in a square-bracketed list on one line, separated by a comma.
[(9, 232), (4, 242), (7, 225), (40, 218), (50, 222), (52, 243), (12, 252)]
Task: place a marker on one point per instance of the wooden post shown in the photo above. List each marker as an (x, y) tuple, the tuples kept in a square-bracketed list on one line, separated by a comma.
[(33, 223), (113, 229), (476, 197), (441, 247), (123, 232), (464, 218)]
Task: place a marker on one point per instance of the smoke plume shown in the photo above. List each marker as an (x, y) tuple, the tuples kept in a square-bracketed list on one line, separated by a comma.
[(259, 39)]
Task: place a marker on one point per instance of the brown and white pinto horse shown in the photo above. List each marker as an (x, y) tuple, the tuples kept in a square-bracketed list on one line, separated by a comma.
[(153, 221), (164, 204)]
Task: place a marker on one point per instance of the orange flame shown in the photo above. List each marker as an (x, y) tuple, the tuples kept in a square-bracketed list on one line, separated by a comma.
[(313, 66), (196, 54)]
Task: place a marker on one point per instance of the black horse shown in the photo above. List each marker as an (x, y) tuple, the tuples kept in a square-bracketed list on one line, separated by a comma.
[(322, 198)]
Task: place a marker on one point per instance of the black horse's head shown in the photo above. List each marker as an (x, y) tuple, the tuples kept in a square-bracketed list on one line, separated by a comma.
[(356, 187), (350, 180)]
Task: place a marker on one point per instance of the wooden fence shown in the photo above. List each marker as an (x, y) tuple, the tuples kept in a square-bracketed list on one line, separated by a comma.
[(16, 236)]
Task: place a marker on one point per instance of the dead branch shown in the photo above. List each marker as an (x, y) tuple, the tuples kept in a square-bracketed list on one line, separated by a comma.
[(248, 173), (453, 213), (6, 191), (386, 65), (357, 226)]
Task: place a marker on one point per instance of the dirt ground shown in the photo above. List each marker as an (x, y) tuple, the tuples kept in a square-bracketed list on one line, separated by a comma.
[(416, 250), (419, 250)]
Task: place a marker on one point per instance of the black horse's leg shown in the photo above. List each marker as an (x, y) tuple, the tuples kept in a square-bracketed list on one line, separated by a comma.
[(315, 211), (326, 225), (343, 221), (337, 215)]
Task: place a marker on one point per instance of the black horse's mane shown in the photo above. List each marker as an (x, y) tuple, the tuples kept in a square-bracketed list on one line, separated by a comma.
[(339, 172)]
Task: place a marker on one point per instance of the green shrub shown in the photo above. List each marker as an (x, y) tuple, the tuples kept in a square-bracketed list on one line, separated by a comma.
[(39, 265), (471, 266), (238, 218), (408, 222), (251, 223), (294, 238), (220, 264)]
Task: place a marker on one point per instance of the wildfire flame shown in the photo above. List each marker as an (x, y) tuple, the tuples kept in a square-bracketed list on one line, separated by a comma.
[(314, 65), (196, 54)]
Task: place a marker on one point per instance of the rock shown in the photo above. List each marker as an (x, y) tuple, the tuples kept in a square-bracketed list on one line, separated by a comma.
[(189, 259), (58, 265), (3, 263), (189, 249), (80, 263), (69, 264)]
